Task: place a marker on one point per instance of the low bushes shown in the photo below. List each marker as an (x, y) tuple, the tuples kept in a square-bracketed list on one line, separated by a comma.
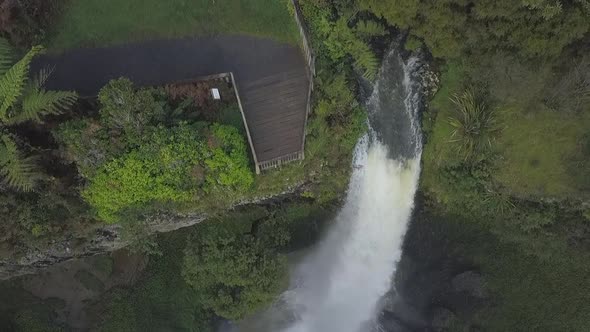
[(131, 157)]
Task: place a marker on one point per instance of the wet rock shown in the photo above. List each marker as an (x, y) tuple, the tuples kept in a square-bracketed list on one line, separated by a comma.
[(429, 79), (400, 315), (390, 322), (441, 319), (470, 282), (104, 239)]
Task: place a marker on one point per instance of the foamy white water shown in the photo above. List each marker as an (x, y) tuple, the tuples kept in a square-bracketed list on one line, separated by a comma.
[(338, 287), (343, 282)]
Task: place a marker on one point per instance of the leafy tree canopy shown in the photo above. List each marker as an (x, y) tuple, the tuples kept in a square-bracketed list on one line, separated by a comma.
[(126, 112), (139, 150), (176, 165), (235, 273), (344, 36), (126, 117), (451, 28)]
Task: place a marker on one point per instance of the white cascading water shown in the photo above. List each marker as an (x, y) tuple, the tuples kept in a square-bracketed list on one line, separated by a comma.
[(356, 262), (339, 286)]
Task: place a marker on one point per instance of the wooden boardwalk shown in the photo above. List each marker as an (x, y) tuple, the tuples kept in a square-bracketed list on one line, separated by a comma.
[(272, 78), (275, 110)]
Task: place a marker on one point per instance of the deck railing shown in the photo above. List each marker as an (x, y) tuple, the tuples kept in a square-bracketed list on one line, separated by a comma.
[(310, 61), (310, 57), (277, 162), (304, 31), (235, 85)]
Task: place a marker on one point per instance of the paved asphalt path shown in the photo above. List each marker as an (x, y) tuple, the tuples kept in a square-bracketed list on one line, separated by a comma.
[(157, 62)]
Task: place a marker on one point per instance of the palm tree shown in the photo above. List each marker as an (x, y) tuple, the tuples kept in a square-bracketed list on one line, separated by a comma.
[(21, 100), (474, 125)]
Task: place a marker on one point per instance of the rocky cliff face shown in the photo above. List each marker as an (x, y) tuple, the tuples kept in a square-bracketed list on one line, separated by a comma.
[(103, 239), (106, 238), (434, 286)]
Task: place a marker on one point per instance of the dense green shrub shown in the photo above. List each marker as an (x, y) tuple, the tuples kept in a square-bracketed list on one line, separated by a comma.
[(119, 315), (336, 38), (338, 97), (87, 144), (235, 274), (34, 320), (128, 112), (126, 118), (292, 226), (130, 181), (174, 166), (161, 300), (469, 191), (29, 217), (356, 127), (227, 160), (141, 151), (413, 43)]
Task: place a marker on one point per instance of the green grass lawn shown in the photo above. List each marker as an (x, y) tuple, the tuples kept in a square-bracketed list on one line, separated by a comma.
[(89, 23), (536, 148), (438, 152)]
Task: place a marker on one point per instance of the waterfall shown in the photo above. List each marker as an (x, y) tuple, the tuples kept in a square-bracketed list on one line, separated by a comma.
[(338, 287)]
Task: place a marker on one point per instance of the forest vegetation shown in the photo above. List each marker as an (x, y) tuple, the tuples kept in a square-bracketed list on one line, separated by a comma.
[(506, 148), (506, 163)]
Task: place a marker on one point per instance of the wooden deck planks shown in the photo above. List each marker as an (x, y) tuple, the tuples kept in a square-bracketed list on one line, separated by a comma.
[(275, 107)]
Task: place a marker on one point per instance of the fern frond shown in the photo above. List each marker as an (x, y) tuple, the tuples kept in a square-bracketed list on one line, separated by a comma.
[(13, 81), (42, 77), (17, 171), (6, 56), (39, 103), (368, 29), (366, 60)]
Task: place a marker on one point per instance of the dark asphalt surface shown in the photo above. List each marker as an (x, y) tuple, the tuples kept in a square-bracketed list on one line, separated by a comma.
[(163, 61)]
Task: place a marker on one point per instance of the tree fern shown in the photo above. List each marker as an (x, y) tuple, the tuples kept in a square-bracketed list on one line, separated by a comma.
[(6, 56), (38, 103), (13, 81), (368, 29), (22, 100), (17, 171), (343, 40), (41, 78), (365, 59)]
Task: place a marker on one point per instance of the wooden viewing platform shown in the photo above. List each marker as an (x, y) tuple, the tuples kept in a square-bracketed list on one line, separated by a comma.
[(271, 77), (273, 80), (275, 111)]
